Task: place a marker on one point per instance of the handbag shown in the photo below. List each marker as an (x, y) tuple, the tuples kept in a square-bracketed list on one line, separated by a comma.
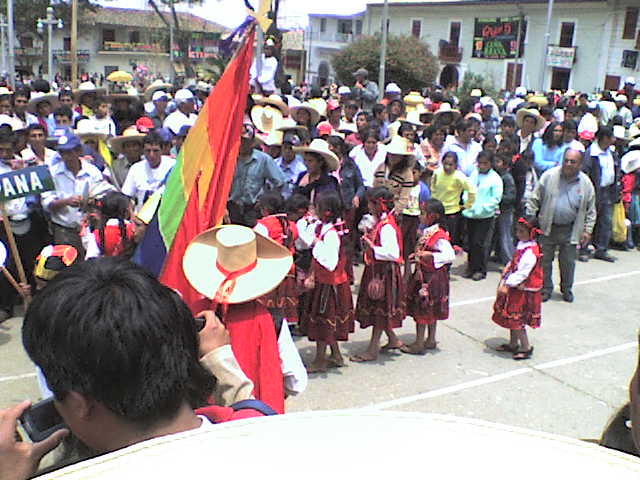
[(375, 288), (619, 226)]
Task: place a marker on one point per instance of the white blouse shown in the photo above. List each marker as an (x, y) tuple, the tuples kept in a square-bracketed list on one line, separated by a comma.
[(327, 249), (389, 249), (525, 265)]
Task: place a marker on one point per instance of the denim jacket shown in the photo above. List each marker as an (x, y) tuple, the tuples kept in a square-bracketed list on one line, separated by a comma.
[(251, 178)]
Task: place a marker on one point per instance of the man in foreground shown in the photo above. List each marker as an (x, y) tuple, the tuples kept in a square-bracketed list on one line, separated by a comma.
[(133, 380)]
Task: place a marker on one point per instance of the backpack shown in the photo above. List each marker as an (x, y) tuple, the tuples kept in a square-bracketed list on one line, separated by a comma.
[(238, 411)]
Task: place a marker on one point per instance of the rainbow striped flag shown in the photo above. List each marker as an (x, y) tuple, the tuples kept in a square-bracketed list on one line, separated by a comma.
[(197, 188)]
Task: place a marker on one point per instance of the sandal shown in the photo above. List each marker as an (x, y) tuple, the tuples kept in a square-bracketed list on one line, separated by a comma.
[(506, 347), (316, 369), (523, 355), (389, 348), (413, 350), (361, 358), (331, 363)]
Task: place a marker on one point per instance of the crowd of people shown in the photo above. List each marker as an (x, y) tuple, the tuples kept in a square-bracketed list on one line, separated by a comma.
[(321, 185)]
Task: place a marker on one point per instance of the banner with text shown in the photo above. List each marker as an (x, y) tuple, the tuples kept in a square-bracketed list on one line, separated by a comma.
[(497, 38), (27, 181)]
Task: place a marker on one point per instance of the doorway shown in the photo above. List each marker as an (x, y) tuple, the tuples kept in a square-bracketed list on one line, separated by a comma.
[(560, 78), (449, 76)]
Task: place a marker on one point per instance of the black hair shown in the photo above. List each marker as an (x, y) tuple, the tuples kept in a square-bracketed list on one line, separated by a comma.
[(329, 207), (433, 129), (453, 154), (546, 110), (507, 142), (381, 194), (371, 133), (115, 205), (107, 329), (404, 126), (489, 139), (272, 202), (324, 166), (22, 92), (63, 111), (435, 207), (100, 100), (504, 158), (378, 108), (35, 126), (153, 138), (340, 144), (364, 114), (570, 125), (463, 124), (65, 93), (547, 136), (41, 85), (296, 202), (508, 122), (604, 131), (6, 134), (488, 154)]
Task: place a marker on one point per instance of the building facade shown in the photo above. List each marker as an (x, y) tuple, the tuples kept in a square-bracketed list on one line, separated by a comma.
[(594, 44)]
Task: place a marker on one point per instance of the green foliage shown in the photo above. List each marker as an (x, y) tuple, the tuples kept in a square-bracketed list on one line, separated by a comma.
[(27, 12), (409, 63), (475, 80), (213, 69)]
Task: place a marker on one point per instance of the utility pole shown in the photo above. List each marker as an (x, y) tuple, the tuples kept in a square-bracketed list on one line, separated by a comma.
[(74, 44), (50, 21), (171, 59), (12, 44), (383, 50), (3, 45), (547, 35)]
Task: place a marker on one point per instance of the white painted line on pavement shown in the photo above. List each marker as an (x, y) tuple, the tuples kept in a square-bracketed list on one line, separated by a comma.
[(17, 377), (606, 278), (498, 377)]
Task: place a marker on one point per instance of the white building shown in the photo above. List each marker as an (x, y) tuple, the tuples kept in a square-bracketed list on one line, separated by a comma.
[(594, 43)]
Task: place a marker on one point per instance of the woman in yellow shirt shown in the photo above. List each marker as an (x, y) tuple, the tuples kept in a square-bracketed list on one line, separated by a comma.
[(447, 185)]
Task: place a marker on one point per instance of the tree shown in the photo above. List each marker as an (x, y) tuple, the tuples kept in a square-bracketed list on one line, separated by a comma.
[(475, 80), (181, 37), (409, 63)]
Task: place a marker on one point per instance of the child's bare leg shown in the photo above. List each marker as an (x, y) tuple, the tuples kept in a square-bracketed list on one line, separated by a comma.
[(320, 362), (371, 353), (513, 339), (431, 339), (394, 341), (336, 358), (416, 347), (523, 339)]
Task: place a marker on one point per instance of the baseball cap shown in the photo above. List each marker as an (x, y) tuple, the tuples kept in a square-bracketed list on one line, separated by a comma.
[(344, 90), (184, 95), (159, 95), (68, 142), (332, 105), (324, 128), (393, 88), (144, 124), (586, 135)]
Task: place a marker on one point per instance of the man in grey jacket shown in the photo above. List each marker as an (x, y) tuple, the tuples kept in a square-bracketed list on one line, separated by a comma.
[(564, 202), (365, 91)]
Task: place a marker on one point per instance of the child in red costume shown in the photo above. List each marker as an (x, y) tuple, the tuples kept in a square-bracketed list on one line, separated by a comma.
[(282, 301), (428, 288), (331, 312), (518, 303), (381, 300), (114, 233)]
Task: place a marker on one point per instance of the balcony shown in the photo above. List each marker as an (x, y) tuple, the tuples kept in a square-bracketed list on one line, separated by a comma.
[(63, 57), (128, 47), (335, 37), (448, 53)]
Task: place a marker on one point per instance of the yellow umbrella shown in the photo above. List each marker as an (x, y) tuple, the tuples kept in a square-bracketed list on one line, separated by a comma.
[(119, 76)]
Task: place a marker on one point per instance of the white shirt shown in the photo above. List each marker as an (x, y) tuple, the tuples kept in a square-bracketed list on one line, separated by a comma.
[(366, 165), (327, 250), (293, 371), (526, 263), (68, 185), (445, 254), (28, 155), (267, 77), (176, 120), (466, 156), (607, 170), (588, 123), (104, 125), (388, 250), (142, 180)]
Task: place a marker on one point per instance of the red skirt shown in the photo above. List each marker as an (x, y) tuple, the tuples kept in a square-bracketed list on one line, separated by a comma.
[(255, 346), (331, 313), (518, 309), (284, 297), (389, 311), (428, 296)]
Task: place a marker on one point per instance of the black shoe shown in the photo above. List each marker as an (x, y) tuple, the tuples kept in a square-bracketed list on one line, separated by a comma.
[(467, 274), (567, 297), (479, 276), (604, 256), (546, 296), (583, 257)]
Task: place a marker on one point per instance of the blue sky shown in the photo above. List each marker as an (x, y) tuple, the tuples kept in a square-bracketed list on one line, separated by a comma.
[(231, 12)]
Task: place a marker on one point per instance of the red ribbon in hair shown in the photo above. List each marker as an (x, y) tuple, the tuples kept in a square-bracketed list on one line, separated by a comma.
[(533, 231), (229, 283)]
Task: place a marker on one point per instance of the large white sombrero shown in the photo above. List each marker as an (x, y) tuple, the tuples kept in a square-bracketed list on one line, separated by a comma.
[(273, 100), (87, 87), (155, 86), (130, 134), (321, 147), (266, 118), (313, 113), (39, 97), (529, 112), (258, 263)]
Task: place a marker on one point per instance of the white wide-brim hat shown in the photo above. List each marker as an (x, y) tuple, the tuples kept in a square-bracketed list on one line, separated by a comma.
[(321, 147)]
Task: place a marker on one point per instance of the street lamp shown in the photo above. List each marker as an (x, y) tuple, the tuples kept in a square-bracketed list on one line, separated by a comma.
[(50, 21)]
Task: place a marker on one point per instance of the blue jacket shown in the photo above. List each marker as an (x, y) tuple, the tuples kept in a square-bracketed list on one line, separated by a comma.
[(488, 197), (545, 158)]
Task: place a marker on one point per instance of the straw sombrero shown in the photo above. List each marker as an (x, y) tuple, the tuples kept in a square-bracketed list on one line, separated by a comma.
[(289, 124), (634, 131), (412, 100), (87, 87), (412, 118), (446, 108), (157, 85), (313, 113), (273, 100), (87, 128), (271, 139), (319, 105), (266, 118), (539, 100), (321, 147), (400, 146), (130, 134), (233, 264), (529, 112), (39, 97)]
